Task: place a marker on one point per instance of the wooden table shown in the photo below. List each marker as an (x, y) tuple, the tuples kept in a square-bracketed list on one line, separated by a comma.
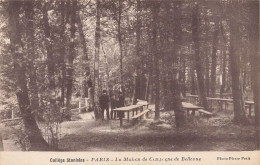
[(190, 107), (128, 109), (143, 103), (220, 101), (226, 101)]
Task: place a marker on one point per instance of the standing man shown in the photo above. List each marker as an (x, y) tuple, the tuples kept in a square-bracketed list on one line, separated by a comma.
[(121, 103), (121, 100), (104, 103), (113, 103), (90, 95)]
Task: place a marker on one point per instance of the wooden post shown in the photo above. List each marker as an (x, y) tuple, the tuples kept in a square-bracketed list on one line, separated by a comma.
[(115, 114), (79, 104), (193, 112), (12, 114), (121, 120), (249, 108), (86, 103), (1, 141)]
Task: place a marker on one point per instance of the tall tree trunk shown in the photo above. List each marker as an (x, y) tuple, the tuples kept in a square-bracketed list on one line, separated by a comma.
[(197, 57), (33, 88), (107, 69), (193, 83), (137, 62), (96, 61), (214, 59), (63, 52), (34, 134), (168, 57), (82, 36), (207, 81), (182, 74), (176, 89), (1, 142), (224, 59), (143, 82), (255, 61), (207, 63), (50, 56), (155, 11), (119, 34), (147, 90), (136, 87), (85, 51), (72, 53), (224, 71), (244, 79), (235, 63)]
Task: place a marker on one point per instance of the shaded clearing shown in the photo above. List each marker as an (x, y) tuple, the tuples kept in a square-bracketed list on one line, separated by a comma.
[(217, 133)]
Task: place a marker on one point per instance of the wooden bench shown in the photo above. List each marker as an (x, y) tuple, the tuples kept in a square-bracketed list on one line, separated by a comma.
[(140, 115), (190, 107), (131, 108), (201, 111), (14, 119)]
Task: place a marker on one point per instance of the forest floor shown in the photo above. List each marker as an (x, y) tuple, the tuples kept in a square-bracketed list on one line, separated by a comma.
[(217, 133)]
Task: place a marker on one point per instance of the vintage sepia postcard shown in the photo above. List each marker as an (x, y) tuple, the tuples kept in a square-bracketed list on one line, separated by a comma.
[(129, 82)]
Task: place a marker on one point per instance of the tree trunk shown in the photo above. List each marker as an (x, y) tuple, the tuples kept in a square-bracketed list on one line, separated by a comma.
[(137, 62), (119, 34), (197, 57), (151, 92), (35, 138), (255, 61), (72, 53), (207, 63), (96, 62), (63, 52), (167, 69), (1, 142), (147, 91), (142, 85), (244, 79), (182, 75), (33, 88), (224, 59), (193, 83), (85, 50), (207, 81), (82, 37), (235, 63), (155, 11), (176, 89), (49, 49), (214, 59), (224, 72)]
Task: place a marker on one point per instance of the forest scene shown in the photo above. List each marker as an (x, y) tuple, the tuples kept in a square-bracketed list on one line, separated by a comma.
[(129, 75)]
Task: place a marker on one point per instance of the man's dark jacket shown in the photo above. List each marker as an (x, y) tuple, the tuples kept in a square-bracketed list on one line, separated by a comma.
[(104, 101)]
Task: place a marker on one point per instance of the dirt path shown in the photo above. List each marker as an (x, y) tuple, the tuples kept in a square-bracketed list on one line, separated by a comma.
[(217, 134), (200, 134)]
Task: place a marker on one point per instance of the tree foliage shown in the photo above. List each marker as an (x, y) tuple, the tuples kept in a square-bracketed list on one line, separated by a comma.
[(152, 50)]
